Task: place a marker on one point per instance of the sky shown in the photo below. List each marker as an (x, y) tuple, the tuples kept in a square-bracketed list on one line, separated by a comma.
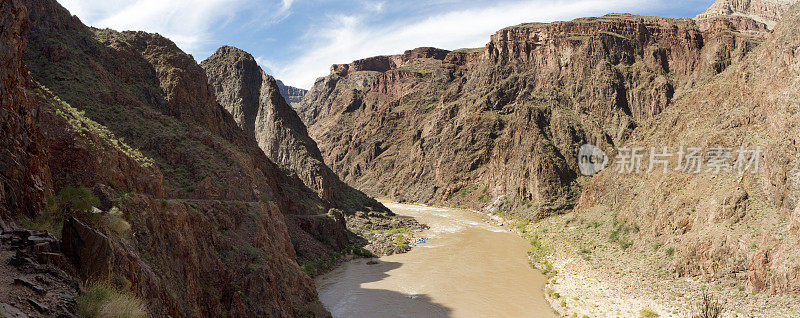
[(298, 40)]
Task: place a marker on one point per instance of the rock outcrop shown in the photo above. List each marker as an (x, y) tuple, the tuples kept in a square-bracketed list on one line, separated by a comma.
[(754, 17), (498, 127), (258, 107)]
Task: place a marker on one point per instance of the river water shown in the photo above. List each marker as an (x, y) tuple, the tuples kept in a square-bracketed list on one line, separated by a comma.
[(467, 268)]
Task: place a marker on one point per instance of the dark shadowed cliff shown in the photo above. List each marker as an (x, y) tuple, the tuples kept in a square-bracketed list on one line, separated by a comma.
[(189, 214)]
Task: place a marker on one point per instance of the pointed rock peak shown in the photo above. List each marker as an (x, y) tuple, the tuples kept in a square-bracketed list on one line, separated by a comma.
[(230, 55)]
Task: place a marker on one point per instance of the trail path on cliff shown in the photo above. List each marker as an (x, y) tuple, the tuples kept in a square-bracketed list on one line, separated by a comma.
[(467, 268)]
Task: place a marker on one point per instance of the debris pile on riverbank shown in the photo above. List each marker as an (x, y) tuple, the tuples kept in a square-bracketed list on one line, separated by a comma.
[(384, 236)]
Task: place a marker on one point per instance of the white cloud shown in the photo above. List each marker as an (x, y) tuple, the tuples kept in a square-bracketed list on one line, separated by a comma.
[(186, 22), (350, 37), (375, 7), (286, 4)]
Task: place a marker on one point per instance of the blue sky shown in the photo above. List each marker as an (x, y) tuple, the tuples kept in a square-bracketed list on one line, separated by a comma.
[(298, 40)]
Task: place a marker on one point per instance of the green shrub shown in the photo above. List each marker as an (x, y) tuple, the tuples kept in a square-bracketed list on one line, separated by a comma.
[(400, 239), (103, 301), (69, 201), (72, 199), (619, 234), (648, 313)]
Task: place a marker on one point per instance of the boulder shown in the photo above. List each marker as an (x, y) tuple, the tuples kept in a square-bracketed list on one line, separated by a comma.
[(89, 250)]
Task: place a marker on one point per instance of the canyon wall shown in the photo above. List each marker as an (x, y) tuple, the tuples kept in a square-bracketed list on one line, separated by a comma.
[(497, 127), (729, 226), (190, 215)]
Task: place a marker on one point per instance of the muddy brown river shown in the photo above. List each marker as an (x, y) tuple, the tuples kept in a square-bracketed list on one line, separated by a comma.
[(467, 268)]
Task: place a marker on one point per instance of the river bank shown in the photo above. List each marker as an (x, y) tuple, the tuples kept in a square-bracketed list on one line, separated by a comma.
[(595, 271)]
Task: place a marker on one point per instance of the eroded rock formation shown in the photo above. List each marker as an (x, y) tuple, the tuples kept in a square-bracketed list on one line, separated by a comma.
[(23, 174)]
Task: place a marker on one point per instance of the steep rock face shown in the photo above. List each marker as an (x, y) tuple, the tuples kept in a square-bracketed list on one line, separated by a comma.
[(728, 226), (133, 118), (755, 17), (291, 94), (255, 100), (499, 127), (23, 174)]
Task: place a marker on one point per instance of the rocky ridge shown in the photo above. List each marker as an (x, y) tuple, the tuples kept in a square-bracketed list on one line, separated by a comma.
[(253, 98)]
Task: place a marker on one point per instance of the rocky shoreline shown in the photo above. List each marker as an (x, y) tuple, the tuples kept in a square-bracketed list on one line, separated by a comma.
[(372, 234)]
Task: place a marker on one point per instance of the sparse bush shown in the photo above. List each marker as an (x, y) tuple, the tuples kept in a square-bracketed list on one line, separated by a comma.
[(585, 253), (121, 282), (708, 307), (594, 224), (103, 301), (657, 246), (670, 251), (361, 252)]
